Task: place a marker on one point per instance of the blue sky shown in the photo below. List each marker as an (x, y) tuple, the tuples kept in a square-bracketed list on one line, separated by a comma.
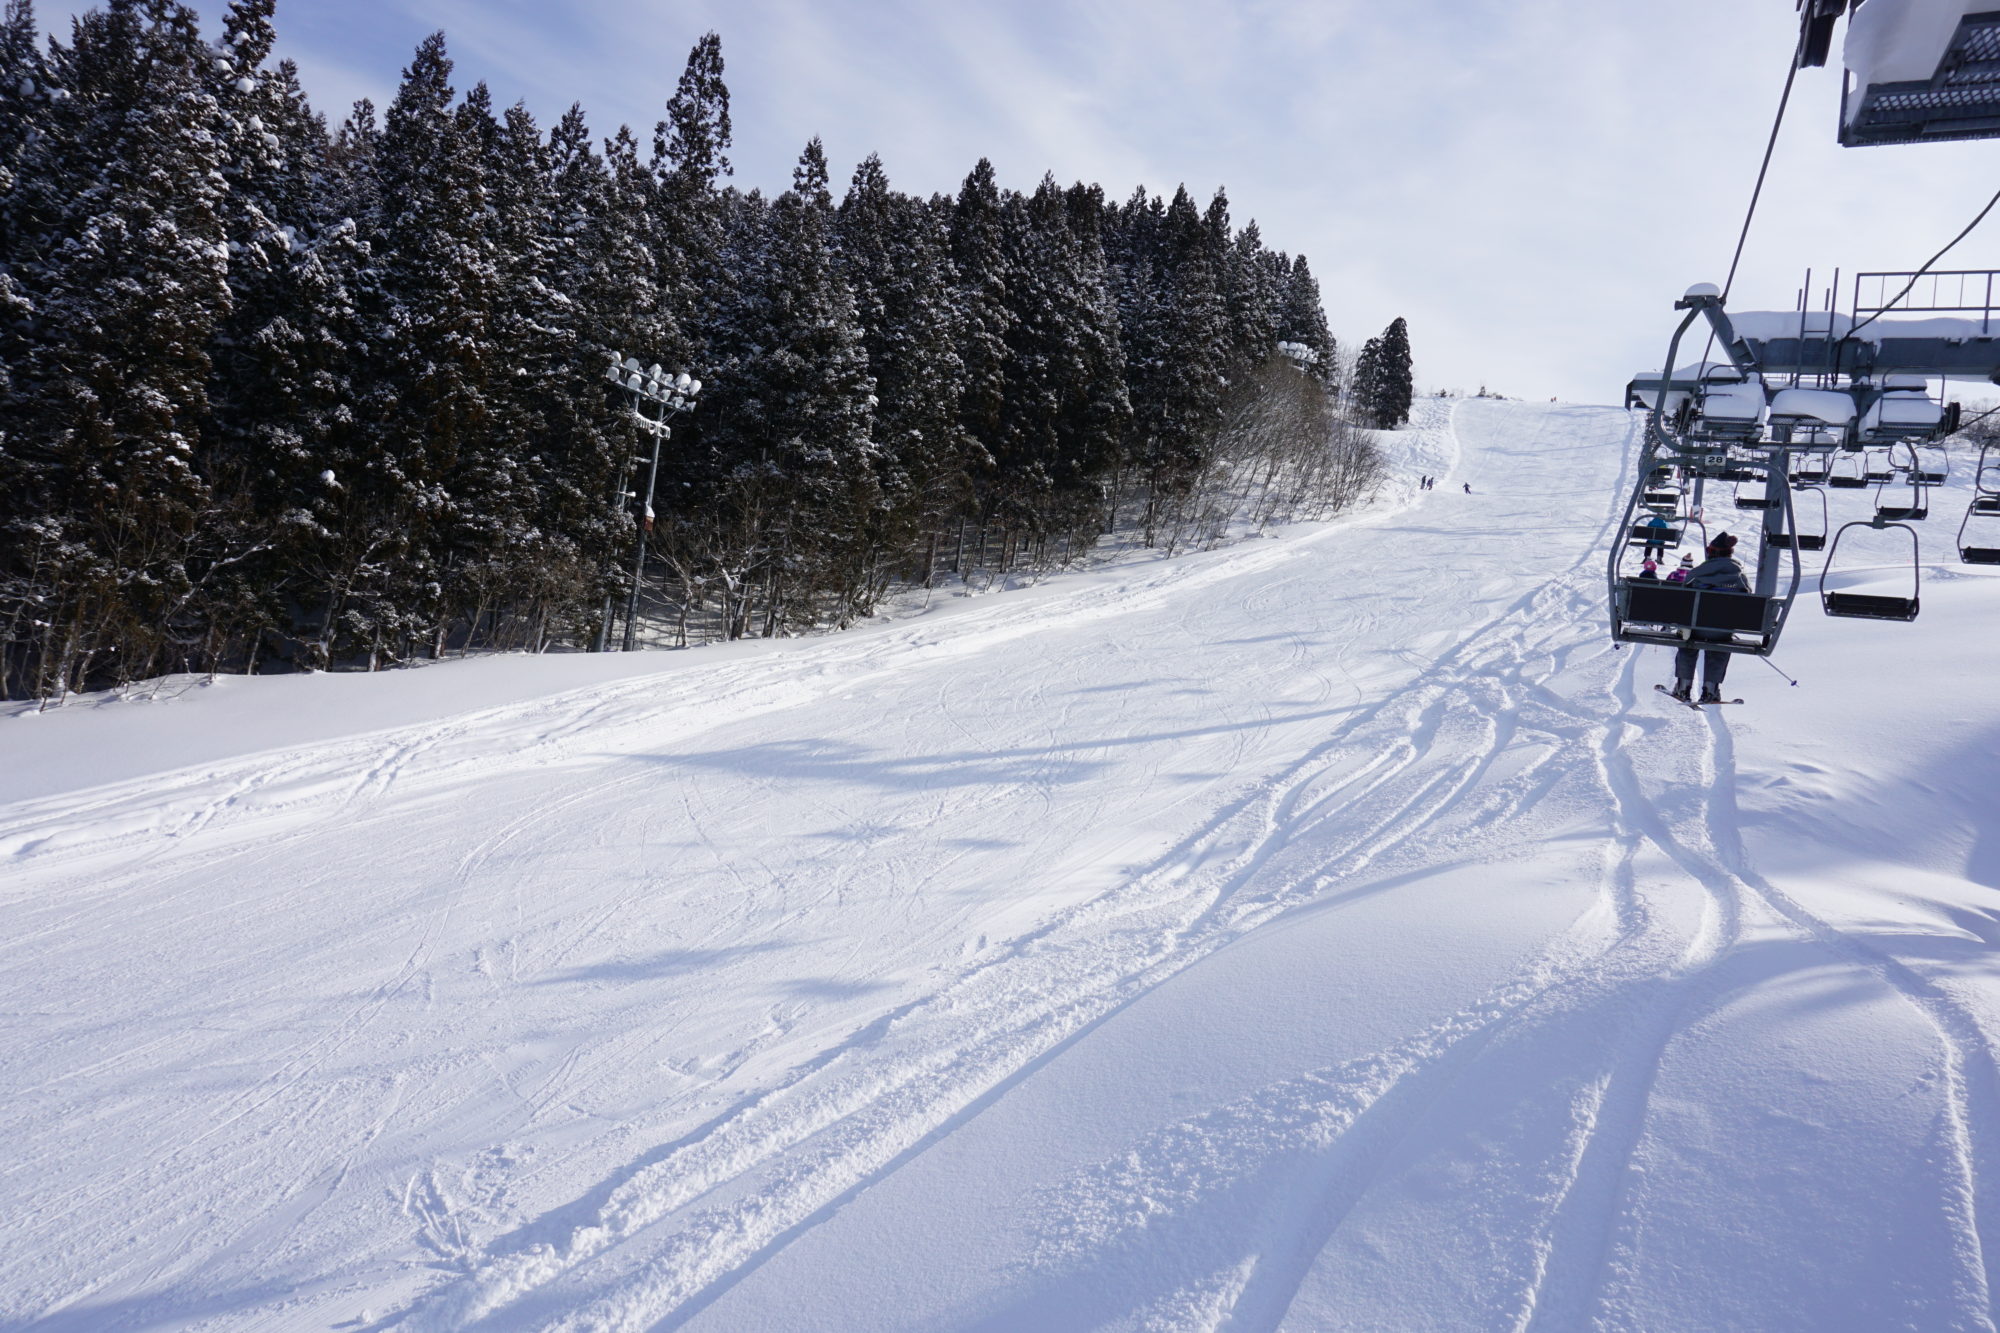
[(1529, 182)]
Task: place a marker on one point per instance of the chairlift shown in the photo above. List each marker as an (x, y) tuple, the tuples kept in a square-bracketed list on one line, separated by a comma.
[(1753, 499), (1878, 465), (1933, 463), (1655, 611), (1803, 541), (1872, 606), (1903, 410), (1643, 533), (1979, 532), (1918, 507), (1986, 478), (1811, 469), (1845, 473)]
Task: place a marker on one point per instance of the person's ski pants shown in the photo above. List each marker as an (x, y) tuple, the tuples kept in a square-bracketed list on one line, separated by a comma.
[(1712, 670)]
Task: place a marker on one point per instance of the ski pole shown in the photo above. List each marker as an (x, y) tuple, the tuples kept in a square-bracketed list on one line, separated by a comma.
[(1780, 670)]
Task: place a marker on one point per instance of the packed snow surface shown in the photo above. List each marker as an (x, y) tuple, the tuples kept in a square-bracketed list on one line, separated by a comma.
[(1328, 932)]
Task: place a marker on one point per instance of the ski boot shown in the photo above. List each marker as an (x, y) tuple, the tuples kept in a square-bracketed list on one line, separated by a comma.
[(1711, 694), (1683, 691)]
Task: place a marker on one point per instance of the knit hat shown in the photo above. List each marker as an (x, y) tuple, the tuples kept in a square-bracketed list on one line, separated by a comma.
[(1687, 557), (1724, 543), (1650, 566)]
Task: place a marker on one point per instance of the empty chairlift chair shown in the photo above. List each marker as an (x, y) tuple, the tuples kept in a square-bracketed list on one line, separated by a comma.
[(1811, 469), (1933, 464), (1979, 530), (1798, 539), (1845, 473), (1903, 507), (1729, 408), (1904, 410), (1871, 606), (1753, 497), (1822, 415)]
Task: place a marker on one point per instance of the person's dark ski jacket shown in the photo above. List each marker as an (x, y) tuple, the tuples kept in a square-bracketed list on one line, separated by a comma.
[(1719, 573)]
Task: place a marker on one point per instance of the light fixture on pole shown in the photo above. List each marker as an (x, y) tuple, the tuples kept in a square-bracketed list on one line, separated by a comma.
[(670, 394)]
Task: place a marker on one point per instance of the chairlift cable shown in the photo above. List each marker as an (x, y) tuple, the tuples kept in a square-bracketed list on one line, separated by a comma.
[(1757, 193), (1770, 147)]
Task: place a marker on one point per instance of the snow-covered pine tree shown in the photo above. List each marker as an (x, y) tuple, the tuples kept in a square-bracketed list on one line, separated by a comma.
[(1302, 319), (1398, 382), (1064, 370), (24, 98), (690, 158), (435, 280), (1383, 385), (790, 407), (895, 254), (1176, 335), (604, 301), (979, 257), (256, 455), (1245, 287), (114, 235)]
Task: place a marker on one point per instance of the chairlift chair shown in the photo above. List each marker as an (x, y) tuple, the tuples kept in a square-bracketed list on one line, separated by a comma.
[(1986, 479), (1811, 470), (1753, 500), (1979, 532), (1933, 463), (1644, 534), (1904, 410), (1803, 541), (1730, 407), (1918, 507), (1844, 473), (1872, 606), (1878, 465)]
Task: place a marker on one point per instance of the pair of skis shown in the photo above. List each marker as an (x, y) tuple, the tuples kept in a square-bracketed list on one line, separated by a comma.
[(1692, 703)]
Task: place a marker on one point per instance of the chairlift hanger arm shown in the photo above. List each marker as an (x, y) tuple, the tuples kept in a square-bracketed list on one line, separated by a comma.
[(1704, 299)]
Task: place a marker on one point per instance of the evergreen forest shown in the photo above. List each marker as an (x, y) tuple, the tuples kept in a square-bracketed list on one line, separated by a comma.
[(278, 393)]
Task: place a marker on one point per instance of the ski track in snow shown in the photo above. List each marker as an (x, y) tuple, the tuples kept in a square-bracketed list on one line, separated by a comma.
[(1551, 1105)]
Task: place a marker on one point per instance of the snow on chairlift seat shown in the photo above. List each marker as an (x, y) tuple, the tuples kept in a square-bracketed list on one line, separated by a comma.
[(1810, 407), (1644, 389), (1905, 410), (1734, 407)]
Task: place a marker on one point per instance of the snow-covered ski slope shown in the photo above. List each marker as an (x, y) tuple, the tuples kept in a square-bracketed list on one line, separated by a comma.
[(1330, 932)]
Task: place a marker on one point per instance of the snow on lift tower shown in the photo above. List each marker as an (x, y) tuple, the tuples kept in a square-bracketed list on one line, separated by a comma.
[(1916, 70)]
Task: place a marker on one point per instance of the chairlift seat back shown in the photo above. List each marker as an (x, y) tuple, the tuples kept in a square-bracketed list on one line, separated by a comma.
[(1696, 608), (1868, 606)]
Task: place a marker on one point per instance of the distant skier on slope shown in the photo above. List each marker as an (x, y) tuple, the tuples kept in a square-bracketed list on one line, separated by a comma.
[(1721, 572), (1468, 488)]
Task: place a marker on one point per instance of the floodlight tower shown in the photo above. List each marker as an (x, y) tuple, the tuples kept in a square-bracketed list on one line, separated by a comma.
[(670, 394)]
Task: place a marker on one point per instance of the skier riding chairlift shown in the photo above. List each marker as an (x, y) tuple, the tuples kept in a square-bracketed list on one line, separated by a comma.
[(1658, 530), (1721, 572)]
